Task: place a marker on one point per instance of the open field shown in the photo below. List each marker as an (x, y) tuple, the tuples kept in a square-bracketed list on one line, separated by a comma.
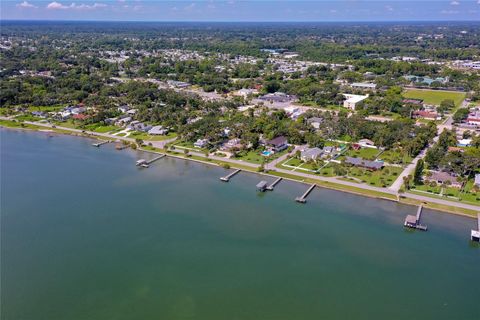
[(454, 194), (435, 97), (146, 137)]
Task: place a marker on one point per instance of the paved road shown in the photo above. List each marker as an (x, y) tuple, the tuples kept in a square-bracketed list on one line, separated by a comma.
[(105, 135), (398, 183), (271, 165)]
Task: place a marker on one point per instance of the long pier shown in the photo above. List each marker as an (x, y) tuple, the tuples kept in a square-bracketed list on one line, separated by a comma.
[(303, 197), (475, 234), (146, 163), (98, 144), (274, 183), (227, 178), (414, 221)]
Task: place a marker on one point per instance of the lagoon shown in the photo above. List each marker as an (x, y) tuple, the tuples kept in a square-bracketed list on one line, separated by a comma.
[(85, 234)]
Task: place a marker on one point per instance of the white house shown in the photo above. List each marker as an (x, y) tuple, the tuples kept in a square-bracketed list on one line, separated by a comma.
[(310, 154), (200, 143), (352, 100), (158, 130), (364, 85)]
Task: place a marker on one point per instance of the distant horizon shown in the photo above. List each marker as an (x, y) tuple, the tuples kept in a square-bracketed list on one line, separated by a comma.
[(246, 22), (241, 11)]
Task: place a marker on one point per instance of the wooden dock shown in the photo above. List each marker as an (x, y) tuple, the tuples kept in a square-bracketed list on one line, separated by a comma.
[(270, 187), (303, 197), (414, 221), (475, 234), (98, 144), (146, 163), (227, 178)]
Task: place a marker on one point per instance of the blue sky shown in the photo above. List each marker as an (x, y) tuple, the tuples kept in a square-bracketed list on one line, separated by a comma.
[(232, 10)]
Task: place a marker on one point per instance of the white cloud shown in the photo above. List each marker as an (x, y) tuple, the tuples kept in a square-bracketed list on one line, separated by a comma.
[(26, 4), (389, 8), (55, 6), (333, 11), (455, 3), (58, 6)]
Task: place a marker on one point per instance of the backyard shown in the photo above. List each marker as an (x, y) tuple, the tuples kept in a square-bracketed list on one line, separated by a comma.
[(465, 194)]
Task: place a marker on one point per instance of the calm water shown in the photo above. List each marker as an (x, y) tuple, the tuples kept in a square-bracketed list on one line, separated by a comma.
[(87, 235)]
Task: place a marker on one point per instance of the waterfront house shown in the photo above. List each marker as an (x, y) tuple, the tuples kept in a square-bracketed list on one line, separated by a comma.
[(201, 143), (158, 131), (123, 121), (232, 144), (367, 164), (277, 144), (39, 114), (442, 177), (139, 126), (311, 154)]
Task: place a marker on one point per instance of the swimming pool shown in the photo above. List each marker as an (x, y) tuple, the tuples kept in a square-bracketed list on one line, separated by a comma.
[(267, 153)]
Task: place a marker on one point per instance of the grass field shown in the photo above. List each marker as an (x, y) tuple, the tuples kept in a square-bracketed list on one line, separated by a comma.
[(435, 97)]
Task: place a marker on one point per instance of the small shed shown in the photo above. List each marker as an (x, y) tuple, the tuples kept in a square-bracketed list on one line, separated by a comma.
[(411, 221), (262, 185)]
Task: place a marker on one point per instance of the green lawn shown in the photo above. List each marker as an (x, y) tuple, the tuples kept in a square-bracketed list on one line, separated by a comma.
[(465, 195), (27, 117), (96, 127), (146, 137), (365, 153), (46, 108), (255, 156), (434, 97), (380, 178), (188, 145), (252, 156), (395, 157)]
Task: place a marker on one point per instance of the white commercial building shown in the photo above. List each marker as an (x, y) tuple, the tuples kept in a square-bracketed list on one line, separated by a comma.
[(352, 100)]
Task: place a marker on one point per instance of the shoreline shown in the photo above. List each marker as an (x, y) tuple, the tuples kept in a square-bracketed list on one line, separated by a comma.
[(450, 209)]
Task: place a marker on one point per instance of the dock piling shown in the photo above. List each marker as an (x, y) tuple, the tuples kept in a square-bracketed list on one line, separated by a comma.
[(270, 187), (98, 144), (475, 234), (227, 177), (414, 221), (146, 163), (303, 197)]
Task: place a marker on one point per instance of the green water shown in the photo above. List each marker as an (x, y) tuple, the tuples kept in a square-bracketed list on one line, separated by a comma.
[(87, 235)]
